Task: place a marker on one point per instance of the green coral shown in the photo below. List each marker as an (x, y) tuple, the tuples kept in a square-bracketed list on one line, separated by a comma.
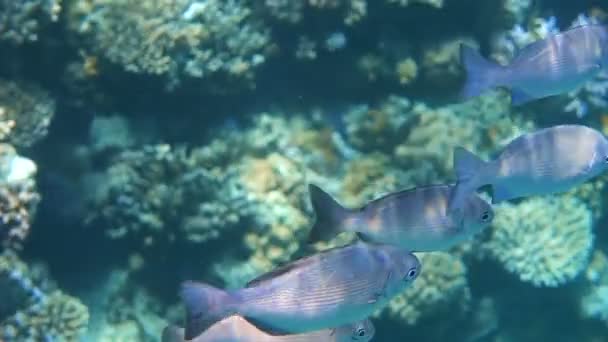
[(174, 39), (442, 287), (26, 111), (545, 241)]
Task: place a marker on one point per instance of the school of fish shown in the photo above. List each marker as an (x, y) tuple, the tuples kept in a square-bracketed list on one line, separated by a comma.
[(329, 296)]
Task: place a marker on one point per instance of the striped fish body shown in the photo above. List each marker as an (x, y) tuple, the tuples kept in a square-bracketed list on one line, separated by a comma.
[(560, 63), (548, 161), (330, 289), (418, 219), (326, 290)]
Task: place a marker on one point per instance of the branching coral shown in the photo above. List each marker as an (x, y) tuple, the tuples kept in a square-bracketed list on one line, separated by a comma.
[(370, 128), (58, 317), (279, 187), (441, 287), (26, 111), (159, 195), (594, 297), (545, 241), (18, 197), (21, 21), (174, 39), (29, 313)]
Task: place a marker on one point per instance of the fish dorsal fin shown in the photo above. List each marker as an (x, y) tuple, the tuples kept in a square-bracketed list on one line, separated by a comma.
[(279, 271), (300, 263)]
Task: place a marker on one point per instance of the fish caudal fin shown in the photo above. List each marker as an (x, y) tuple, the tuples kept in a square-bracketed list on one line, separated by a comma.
[(467, 167), (330, 215), (173, 334), (205, 305), (481, 74)]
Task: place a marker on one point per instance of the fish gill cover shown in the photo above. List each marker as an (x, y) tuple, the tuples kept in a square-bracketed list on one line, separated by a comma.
[(147, 142)]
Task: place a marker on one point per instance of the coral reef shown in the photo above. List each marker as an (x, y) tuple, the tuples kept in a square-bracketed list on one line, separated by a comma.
[(441, 288), (545, 241), (174, 39), (370, 128), (160, 195), (26, 112), (18, 197), (594, 297), (32, 311), (356, 96), (22, 21)]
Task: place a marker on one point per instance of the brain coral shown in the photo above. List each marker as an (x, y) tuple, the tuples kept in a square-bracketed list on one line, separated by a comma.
[(442, 286), (174, 39), (545, 241)]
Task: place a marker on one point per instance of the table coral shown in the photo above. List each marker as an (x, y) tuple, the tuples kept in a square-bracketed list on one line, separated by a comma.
[(545, 241), (26, 111), (174, 39), (441, 287), (22, 21)]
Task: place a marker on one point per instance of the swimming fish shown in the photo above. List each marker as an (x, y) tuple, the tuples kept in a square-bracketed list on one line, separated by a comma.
[(547, 161), (324, 290), (238, 329), (416, 219), (557, 64)]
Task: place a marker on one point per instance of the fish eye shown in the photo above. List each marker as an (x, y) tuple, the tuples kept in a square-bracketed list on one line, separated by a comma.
[(485, 217), (412, 273), (606, 160), (361, 332)]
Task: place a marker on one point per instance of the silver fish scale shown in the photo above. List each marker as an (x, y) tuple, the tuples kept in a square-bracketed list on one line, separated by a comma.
[(343, 276)]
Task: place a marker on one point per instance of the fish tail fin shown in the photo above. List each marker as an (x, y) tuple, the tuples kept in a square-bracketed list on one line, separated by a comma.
[(173, 334), (330, 215), (468, 167), (205, 305), (481, 74)]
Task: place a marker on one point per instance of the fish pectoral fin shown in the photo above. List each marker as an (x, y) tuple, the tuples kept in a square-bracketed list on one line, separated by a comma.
[(376, 296)]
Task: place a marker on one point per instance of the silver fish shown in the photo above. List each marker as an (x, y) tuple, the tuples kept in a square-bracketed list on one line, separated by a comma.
[(547, 161), (415, 219), (238, 329), (326, 290), (555, 65)]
